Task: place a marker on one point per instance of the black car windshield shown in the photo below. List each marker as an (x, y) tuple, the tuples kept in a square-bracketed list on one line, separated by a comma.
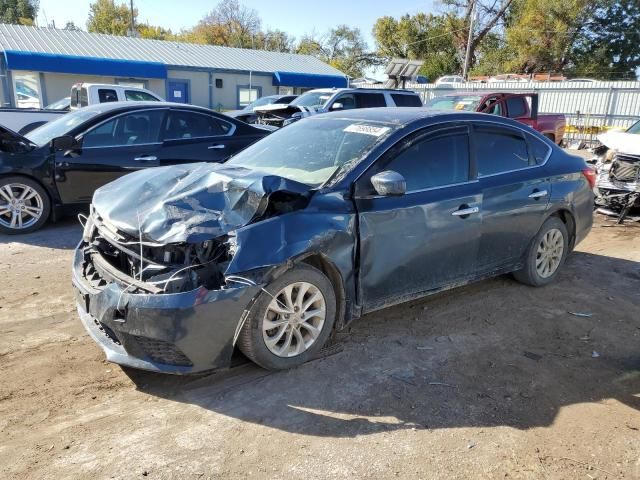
[(467, 103), (61, 126), (312, 99), (312, 150)]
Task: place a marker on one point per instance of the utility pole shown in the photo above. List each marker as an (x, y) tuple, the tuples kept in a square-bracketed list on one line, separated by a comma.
[(467, 55), (133, 26)]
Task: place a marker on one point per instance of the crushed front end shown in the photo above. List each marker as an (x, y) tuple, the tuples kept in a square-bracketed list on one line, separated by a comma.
[(164, 308), (618, 185)]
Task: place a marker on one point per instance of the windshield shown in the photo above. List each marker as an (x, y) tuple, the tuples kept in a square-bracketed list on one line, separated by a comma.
[(635, 128), (312, 99), (61, 104), (260, 102), (312, 150), (468, 103), (60, 126)]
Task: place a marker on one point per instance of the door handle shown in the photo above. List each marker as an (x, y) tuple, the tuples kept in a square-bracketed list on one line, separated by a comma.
[(146, 158), (538, 194), (463, 212), (218, 146)]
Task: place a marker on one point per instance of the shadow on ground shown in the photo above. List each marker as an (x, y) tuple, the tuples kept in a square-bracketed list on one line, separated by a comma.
[(64, 234), (494, 353)]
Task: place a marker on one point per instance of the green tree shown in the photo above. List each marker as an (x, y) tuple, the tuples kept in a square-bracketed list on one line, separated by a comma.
[(21, 12), (342, 47), (153, 32), (423, 37), (229, 23), (105, 16), (275, 41)]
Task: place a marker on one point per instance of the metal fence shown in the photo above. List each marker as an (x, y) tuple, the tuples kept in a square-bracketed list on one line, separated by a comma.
[(590, 108)]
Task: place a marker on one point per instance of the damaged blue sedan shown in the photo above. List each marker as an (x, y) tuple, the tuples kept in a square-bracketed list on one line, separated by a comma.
[(325, 220)]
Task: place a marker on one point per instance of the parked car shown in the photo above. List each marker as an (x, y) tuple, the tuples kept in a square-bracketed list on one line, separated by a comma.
[(323, 100), (320, 222), (247, 114), (522, 107), (58, 166), (450, 79), (23, 120), (617, 163)]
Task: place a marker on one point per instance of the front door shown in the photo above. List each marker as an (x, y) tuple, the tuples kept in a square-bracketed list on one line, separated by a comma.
[(109, 150), (514, 194), (427, 238), (178, 91)]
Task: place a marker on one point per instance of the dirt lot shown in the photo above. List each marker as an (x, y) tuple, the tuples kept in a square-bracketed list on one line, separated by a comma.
[(493, 380)]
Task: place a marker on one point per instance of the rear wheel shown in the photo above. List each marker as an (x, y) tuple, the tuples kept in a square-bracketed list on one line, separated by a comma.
[(24, 205), (290, 322), (546, 254)]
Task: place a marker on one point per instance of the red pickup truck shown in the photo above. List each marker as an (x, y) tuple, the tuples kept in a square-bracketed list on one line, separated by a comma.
[(522, 107)]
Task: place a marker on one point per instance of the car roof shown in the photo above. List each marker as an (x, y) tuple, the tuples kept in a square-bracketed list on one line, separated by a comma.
[(361, 89), (134, 105), (405, 115)]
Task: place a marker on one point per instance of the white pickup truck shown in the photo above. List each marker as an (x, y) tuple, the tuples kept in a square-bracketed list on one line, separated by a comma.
[(23, 120)]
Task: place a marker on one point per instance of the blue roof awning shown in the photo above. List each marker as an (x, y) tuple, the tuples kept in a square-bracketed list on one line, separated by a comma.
[(53, 62), (310, 80)]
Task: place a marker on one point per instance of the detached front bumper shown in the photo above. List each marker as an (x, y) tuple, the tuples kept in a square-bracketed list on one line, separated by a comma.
[(176, 333)]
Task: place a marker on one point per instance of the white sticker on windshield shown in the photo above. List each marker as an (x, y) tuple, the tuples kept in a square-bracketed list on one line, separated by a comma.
[(367, 129)]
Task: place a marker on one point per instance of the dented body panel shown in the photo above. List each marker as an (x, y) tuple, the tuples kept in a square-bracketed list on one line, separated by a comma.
[(172, 259)]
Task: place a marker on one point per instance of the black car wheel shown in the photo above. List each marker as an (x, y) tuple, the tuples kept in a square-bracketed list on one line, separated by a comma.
[(546, 254), (24, 205), (290, 321)]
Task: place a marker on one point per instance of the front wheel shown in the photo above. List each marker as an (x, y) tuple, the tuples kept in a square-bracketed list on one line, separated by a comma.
[(24, 205), (546, 254), (291, 320)]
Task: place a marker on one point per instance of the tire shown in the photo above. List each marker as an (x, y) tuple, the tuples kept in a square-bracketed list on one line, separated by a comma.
[(37, 202), (534, 272), (254, 335)]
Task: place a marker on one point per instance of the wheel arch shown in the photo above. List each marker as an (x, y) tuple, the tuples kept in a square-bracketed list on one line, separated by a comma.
[(322, 263), (569, 221)]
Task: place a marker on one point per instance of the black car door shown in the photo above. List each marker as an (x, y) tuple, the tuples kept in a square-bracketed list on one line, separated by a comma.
[(428, 237), (108, 150), (194, 136)]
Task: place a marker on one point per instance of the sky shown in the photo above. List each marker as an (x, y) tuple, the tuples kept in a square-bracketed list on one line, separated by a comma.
[(296, 17)]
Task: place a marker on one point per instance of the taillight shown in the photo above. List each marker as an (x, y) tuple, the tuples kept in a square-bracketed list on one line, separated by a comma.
[(590, 174)]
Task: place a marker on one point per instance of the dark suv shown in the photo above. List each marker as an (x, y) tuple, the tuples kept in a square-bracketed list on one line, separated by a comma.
[(325, 100)]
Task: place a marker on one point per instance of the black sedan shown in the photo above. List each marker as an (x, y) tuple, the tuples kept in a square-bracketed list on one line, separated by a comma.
[(330, 218), (58, 166)]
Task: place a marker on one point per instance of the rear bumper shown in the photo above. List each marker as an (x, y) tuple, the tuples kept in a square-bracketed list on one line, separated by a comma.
[(171, 333)]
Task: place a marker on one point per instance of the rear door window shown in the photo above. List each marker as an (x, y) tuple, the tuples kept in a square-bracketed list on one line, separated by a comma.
[(182, 125), (370, 100), (107, 95), (517, 107), (499, 150), (130, 129), (406, 100)]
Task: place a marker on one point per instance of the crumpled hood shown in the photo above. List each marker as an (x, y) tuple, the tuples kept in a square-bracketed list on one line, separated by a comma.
[(187, 203), (623, 142)]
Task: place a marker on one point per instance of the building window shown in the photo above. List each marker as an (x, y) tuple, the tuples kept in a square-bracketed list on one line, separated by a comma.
[(26, 88), (247, 95), (218, 83)]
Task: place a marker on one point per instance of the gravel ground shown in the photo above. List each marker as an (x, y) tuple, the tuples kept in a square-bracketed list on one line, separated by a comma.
[(492, 380)]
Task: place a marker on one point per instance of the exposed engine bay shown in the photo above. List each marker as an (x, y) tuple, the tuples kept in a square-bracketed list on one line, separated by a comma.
[(617, 162)]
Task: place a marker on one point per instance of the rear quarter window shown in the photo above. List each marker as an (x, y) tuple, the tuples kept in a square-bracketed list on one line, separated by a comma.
[(406, 100), (540, 150)]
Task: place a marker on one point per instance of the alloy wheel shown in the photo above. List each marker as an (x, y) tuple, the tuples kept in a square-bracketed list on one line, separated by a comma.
[(21, 206), (549, 254), (294, 319)]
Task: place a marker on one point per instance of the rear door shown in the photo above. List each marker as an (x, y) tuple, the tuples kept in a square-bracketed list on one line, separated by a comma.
[(193, 136), (515, 193), (113, 148), (422, 240)]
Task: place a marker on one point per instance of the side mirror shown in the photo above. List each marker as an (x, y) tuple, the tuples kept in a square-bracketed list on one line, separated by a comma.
[(389, 183), (337, 106), (65, 142)]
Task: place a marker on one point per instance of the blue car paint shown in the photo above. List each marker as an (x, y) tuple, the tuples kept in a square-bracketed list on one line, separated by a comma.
[(383, 250)]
